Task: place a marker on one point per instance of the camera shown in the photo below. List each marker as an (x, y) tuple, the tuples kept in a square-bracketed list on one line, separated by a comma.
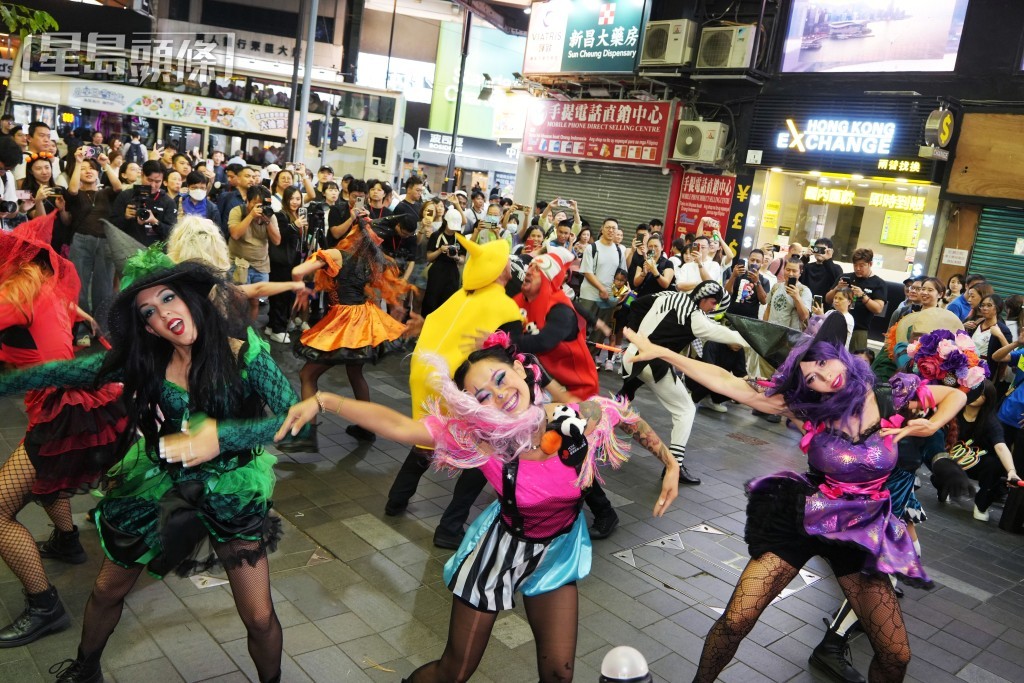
[(452, 251), (142, 202), (816, 249), (8, 207), (268, 208)]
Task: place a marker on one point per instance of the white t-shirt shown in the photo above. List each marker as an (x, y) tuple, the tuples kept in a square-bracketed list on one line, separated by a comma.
[(690, 273), (609, 258)]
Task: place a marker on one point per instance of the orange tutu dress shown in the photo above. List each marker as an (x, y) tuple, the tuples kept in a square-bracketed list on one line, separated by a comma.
[(354, 330)]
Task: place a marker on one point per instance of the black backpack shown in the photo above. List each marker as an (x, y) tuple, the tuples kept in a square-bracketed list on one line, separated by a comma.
[(134, 153)]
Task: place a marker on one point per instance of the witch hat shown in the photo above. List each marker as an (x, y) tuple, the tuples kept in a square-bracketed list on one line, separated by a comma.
[(122, 245), (771, 341)]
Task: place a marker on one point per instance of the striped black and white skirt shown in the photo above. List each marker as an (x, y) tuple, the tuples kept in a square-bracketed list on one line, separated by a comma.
[(492, 564)]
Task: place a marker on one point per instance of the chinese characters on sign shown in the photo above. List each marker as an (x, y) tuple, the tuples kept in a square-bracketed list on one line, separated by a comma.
[(584, 36), (703, 195), (900, 202), (230, 40), (899, 165), (138, 59), (601, 130), (478, 148), (830, 195)]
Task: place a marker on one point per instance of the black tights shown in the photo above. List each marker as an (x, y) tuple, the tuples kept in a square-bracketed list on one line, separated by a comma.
[(310, 374), (17, 546), (250, 586), (553, 617), (871, 597)]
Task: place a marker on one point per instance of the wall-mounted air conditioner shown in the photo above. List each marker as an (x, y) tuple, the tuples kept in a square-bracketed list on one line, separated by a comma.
[(700, 141), (727, 47), (668, 43)]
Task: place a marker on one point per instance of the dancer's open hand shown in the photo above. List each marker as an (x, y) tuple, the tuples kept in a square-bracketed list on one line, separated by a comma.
[(669, 489), (195, 444), (917, 427), (299, 415), (645, 349)]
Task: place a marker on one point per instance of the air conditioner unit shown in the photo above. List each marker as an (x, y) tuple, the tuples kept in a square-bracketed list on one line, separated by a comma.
[(700, 141), (727, 47), (668, 43)]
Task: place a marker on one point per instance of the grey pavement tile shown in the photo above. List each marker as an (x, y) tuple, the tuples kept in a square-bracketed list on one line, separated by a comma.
[(22, 671), (937, 656), (738, 672), (329, 665), (369, 651), (374, 607), (238, 650), (233, 677), (972, 673), (344, 627), (672, 667), (924, 670), (192, 651), (303, 638), (413, 637), (154, 670), (385, 574), (766, 662)]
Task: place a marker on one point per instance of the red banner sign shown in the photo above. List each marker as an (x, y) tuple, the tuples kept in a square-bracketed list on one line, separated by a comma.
[(702, 195), (620, 131)]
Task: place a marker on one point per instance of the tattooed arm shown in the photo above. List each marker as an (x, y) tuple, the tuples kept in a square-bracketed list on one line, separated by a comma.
[(646, 437)]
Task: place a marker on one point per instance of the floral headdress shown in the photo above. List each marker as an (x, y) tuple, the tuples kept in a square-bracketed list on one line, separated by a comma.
[(948, 358)]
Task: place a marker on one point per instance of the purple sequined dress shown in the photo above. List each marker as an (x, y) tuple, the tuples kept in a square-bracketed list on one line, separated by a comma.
[(842, 500)]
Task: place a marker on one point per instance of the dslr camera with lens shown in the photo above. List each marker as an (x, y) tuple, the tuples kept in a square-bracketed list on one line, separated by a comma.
[(268, 208), (142, 202), (819, 249), (8, 207), (453, 251)]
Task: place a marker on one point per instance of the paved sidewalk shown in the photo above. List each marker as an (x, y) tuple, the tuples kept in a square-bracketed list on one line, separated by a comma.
[(361, 598)]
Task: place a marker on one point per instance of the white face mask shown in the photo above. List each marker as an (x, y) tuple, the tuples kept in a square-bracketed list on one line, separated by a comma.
[(435, 225), (197, 195)]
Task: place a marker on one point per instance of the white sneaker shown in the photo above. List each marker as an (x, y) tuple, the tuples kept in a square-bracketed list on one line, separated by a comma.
[(279, 337), (979, 515), (609, 365), (706, 402)]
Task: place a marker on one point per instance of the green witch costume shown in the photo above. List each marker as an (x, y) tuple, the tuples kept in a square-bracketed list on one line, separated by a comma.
[(160, 514)]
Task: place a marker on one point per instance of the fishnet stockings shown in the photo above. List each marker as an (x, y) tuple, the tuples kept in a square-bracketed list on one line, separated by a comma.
[(874, 601), (249, 584), (762, 580), (553, 617), (17, 546)]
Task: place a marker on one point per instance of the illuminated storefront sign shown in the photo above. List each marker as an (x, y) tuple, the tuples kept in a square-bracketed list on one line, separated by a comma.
[(899, 165), (838, 135), (900, 202), (830, 195)]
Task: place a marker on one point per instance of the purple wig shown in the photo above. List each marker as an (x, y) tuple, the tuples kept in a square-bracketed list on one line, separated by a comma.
[(839, 407)]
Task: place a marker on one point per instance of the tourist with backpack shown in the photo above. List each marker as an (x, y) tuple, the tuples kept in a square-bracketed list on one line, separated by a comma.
[(600, 263), (135, 152)]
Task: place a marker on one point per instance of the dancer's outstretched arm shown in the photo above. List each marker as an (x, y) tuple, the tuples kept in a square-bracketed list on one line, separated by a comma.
[(377, 418), (711, 376)]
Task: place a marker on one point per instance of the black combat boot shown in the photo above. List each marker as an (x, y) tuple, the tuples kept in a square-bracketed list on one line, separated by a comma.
[(833, 655), (81, 670), (44, 614), (63, 546)]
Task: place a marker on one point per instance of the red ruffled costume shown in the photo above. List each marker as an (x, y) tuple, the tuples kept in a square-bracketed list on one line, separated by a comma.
[(569, 362), (72, 434)]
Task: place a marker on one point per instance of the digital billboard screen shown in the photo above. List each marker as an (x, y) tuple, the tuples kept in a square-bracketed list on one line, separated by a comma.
[(873, 35)]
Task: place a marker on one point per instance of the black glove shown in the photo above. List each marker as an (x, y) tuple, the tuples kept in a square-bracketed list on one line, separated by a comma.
[(949, 480)]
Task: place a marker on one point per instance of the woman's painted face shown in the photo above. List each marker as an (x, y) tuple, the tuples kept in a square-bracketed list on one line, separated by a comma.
[(928, 296), (824, 376), (166, 315), (42, 171), (972, 297), (499, 385)]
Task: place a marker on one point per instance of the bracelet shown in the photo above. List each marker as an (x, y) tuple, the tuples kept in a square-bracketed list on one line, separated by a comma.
[(341, 402), (320, 402)]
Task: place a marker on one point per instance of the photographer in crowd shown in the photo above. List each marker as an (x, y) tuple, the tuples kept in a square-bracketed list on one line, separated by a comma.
[(146, 211), (868, 295), (821, 272), (253, 228)]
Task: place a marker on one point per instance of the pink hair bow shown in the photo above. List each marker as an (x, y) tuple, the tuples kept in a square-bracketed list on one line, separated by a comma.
[(895, 422), (810, 431)]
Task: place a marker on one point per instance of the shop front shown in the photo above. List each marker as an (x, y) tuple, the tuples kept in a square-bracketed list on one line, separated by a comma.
[(609, 156), (479, 162), (847, 170)]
